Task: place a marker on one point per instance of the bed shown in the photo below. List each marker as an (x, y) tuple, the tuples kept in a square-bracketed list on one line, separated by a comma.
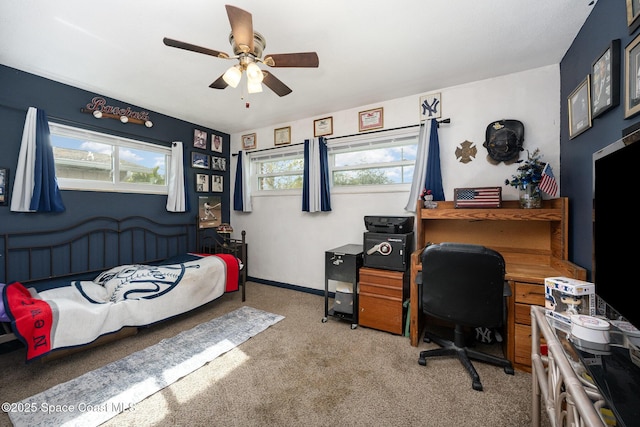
[(72, 286)]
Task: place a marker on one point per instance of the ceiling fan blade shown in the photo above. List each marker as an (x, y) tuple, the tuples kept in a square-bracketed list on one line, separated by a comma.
[(275, 85), (302, 59), (194, 48), (218, 84), (241, 28)]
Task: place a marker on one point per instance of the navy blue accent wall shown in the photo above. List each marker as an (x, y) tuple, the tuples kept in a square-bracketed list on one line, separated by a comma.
[(62, 103), (606, 22)]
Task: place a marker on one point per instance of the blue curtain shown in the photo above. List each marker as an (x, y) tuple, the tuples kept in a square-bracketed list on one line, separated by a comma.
[(427, 173), (433, 180), (35, 188), (242, 189), (316, 196)]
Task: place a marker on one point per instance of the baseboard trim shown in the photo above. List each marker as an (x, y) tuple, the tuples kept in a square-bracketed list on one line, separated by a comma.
[(286, 286)]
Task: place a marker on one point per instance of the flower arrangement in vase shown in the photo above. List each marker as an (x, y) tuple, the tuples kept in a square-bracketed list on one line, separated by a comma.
[(527, 180), (427, 197)]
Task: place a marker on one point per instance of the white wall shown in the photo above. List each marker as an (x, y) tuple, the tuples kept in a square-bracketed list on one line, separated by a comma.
[(287, 245)]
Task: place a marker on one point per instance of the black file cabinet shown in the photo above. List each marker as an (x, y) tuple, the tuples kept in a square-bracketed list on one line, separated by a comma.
[(343, 264)]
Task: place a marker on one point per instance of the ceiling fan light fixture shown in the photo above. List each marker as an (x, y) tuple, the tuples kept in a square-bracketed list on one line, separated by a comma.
[(232, 76), (254, 73), (254, 86)]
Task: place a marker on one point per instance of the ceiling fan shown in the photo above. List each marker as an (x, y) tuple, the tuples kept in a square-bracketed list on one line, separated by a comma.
[(248, 47)]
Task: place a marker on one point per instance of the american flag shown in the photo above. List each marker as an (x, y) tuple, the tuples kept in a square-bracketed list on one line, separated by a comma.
[(548, 182), (482, 197)]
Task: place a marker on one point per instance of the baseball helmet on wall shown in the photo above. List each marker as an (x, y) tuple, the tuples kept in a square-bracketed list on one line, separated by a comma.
[(503, 139)]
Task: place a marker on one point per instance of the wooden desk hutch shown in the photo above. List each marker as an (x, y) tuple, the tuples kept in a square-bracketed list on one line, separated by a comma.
[(533, 243)]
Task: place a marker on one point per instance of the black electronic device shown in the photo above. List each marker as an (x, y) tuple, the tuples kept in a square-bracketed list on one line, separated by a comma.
[(387, 251), (389, 224)]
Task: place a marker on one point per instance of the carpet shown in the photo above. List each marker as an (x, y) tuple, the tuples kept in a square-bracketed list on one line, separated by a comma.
[(97, 396)]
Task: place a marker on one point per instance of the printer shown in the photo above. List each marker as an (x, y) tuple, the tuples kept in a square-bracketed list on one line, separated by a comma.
[(389, 224)]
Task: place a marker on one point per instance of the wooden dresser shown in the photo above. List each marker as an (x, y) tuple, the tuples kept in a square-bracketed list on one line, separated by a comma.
[(381, 295), (533, 243)]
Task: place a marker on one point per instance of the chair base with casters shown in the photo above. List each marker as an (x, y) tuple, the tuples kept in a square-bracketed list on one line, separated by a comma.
[(464, 354)]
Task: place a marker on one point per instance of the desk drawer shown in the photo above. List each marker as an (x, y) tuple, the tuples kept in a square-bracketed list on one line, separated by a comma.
[(522, 314), (522, 341), (528, 293), (380, 312), (393, 292), (393, 279)]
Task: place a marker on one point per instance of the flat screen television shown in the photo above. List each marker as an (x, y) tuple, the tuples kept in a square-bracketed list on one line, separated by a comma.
[(616, 227)]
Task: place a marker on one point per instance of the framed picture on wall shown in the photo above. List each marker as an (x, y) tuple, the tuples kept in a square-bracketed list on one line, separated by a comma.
[(210, 211), (218, 163), (282, 136), (4, 184), (216, 143), (430, 107), (579, 103), (605, 80), (633, 15), (632, 78), (202, 183), (199, 139), (370, 119), (249, 141), (200, 160), (322, 127), (217, 184)]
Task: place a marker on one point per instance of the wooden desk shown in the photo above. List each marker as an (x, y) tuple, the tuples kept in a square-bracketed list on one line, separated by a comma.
[(533, 243)]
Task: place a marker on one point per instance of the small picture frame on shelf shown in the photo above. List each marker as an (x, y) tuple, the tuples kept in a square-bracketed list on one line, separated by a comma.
[(605, 80), (579, 103), (370, 119), (202, 183), (282, 136), (323, 127), (217, 184), (209, 211), (4, 184), (200, 160), (249, 141), (199, 139)]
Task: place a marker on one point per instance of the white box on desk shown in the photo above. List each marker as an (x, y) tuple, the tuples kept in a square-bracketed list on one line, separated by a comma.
[(564, 296)]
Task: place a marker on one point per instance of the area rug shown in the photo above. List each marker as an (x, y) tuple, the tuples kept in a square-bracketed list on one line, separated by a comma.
[(99, 395)]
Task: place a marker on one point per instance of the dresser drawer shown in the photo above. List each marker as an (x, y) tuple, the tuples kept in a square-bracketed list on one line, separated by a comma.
[(522, 343), (528, 293)]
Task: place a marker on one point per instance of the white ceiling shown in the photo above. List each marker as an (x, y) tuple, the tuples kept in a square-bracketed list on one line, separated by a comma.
[(369, 50)]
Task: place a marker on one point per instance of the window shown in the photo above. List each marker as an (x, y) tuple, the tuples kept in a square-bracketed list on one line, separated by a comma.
[(359, 161), (382, 162), (279, 170), (87, 160)]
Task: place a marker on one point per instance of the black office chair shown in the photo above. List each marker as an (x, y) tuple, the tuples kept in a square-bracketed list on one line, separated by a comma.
[(465, 285)]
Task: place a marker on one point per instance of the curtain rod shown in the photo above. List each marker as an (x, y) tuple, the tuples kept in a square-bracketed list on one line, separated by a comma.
[(353, 134)]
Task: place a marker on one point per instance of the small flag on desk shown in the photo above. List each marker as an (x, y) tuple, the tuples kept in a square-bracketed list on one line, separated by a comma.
[(481, 197), (548, 182)]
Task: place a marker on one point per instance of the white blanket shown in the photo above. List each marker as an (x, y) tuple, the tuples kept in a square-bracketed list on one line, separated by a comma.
[(128, 295)]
